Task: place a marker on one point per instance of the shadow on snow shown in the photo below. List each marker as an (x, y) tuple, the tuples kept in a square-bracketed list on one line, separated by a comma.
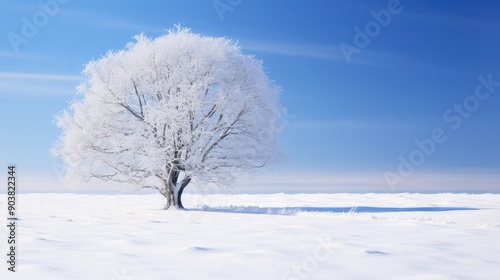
[(294, 210)]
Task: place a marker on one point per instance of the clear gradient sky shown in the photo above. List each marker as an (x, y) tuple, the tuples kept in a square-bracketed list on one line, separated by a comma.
[(361, 88)]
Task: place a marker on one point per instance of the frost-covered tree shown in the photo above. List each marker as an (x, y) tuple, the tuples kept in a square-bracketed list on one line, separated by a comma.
[(165, 111)]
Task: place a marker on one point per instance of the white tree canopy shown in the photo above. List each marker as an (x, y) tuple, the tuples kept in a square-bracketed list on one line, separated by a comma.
[(177, 104)]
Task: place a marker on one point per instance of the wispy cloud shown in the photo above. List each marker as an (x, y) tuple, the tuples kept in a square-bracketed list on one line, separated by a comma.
[(22, 56), (339, 124), (39, 76), (37, 83), (326, 52), (124, 25), (105, 21), (32, 89)]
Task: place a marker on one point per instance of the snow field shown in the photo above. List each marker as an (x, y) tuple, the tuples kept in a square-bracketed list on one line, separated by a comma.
[(278, 236)]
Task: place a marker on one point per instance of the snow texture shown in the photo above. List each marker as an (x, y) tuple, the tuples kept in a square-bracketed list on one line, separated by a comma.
[(280, 236)]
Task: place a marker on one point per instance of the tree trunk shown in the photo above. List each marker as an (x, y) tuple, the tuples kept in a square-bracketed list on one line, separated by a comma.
[(169, 201), (173, 190), (181, 188), (177, 190), (167, 191)]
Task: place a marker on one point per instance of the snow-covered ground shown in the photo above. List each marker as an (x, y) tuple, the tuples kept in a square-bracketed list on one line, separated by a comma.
[(302, 236)]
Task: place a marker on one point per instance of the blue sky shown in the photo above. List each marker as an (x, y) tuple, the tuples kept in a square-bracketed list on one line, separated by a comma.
[(351, 120)]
